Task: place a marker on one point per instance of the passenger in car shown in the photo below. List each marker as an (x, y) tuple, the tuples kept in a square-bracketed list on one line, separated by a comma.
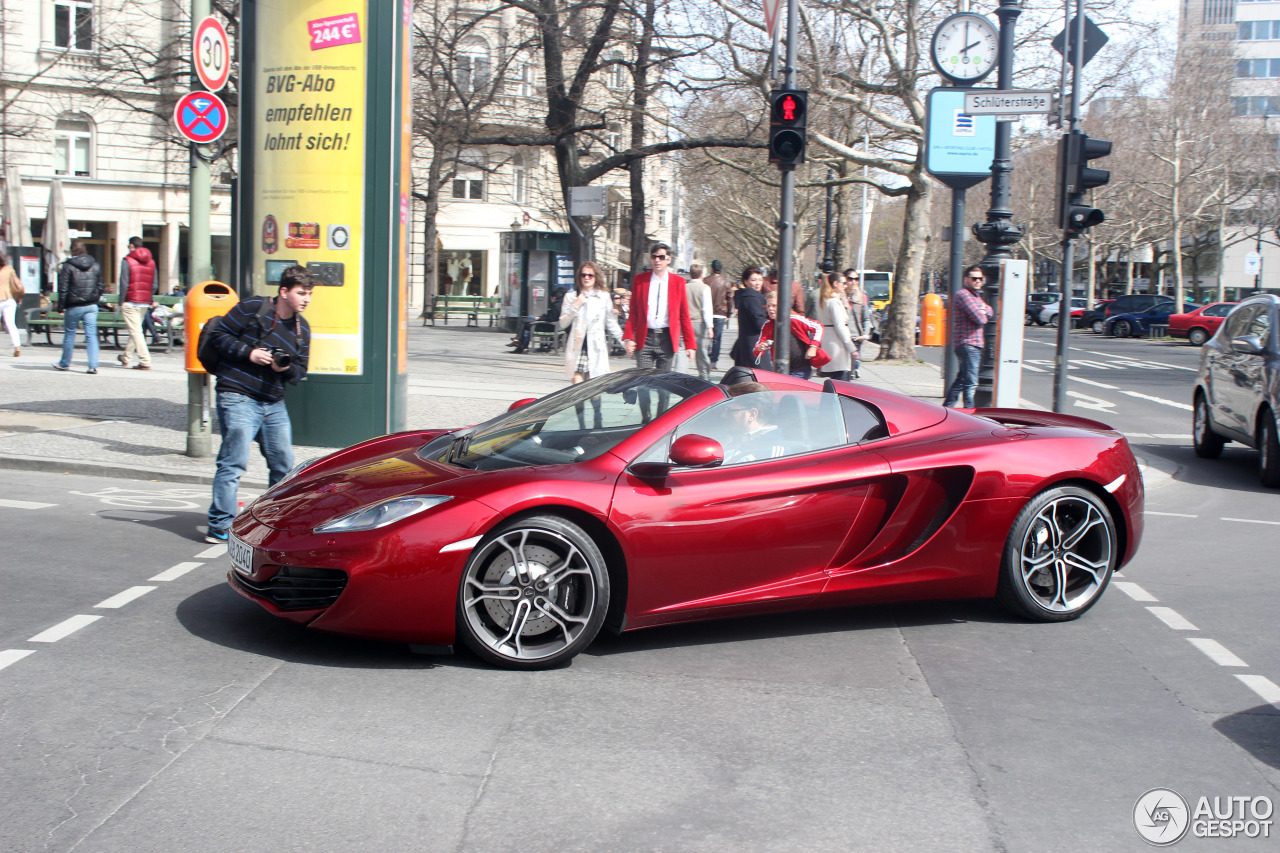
[(753, 435)]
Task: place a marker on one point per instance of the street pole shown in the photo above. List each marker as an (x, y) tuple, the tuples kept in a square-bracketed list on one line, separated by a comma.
[(829, 243), (199, 268), (1068, 243), (999, 232), (955, 281), (786, 223)]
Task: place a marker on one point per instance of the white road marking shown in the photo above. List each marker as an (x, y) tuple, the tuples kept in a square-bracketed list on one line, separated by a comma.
[(1026, 366), (1174, 403), (210, 553), (63, 629), (1172, 514), (122, 598), (1263, 686), (1084, 401), (1180, 436), (1172, 618), (1134, 591), (1096, 365), (1216, 652), (176, 572), (1251, 521), (1095, 384), (24, 504), (9, 656)]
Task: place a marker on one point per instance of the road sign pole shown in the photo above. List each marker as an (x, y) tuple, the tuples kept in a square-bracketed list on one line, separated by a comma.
[(199, 268), (786, 224)]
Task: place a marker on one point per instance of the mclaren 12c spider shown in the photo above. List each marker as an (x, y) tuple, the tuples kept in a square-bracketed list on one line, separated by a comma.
[(642, 498)]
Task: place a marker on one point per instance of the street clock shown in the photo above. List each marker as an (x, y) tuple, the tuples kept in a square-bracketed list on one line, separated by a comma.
[(965, 48)]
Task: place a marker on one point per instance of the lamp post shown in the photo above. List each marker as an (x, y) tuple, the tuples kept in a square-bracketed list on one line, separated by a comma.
[(829, 243), (999, 232)]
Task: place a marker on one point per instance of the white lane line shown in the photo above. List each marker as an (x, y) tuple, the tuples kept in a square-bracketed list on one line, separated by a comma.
[(1263, 686), (1172, 514), (1172, 618), (1216, 652), (210, 553), (1134, 591), (1179, 436), (24, 504), (1026, 366), (63, 629), (1174, 403), (176, 572), (9, 656), (1250, 521), (122, 598), (1094, 384), (1084, 401)]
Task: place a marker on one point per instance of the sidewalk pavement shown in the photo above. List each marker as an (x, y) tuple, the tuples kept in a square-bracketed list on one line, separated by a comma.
[(133, 423)]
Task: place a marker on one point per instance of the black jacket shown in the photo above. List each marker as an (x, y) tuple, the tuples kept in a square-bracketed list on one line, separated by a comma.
[(752, 316), (80, 282), (241, 332)]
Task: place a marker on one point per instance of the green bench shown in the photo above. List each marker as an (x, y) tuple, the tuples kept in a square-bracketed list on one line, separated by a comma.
[(472, 308), (110, 321)]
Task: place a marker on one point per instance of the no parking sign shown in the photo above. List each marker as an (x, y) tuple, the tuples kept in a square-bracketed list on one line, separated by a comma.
[(200, 116)]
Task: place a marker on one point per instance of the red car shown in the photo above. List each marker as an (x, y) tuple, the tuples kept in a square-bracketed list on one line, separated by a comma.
[(640, 498), (1199, 325)]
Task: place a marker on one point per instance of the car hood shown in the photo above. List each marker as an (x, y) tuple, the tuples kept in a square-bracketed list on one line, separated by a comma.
[(308, 501)]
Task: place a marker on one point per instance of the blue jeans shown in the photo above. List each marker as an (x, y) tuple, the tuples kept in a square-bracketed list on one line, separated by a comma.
[(243, 420), (88, 315), (717, 329), (968, 357)]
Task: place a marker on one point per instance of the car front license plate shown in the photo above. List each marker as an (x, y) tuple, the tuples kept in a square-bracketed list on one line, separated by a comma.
[(241, 555)]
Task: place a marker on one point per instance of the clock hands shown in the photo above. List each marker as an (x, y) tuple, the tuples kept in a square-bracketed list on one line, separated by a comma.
[(965, 50)]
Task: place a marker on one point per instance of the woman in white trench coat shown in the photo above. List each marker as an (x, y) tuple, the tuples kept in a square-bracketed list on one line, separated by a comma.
[(837, 339), (587, 313)]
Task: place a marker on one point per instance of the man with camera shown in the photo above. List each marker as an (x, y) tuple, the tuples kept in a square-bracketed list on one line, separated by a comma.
[(260, 347)]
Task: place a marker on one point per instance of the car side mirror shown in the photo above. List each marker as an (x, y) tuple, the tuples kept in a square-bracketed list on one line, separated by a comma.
[(696, 451), (1248, 344), (520, 404)]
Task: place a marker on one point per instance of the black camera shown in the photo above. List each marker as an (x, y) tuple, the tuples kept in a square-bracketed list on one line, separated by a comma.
[(281, 357)]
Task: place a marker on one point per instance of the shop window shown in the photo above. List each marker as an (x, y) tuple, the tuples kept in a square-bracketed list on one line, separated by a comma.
[(73, 24), (73, 148)]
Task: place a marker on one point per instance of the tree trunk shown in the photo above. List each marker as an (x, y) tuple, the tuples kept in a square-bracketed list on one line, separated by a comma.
[(898, 337)]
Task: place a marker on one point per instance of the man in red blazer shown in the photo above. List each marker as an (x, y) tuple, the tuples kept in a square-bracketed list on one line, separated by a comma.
[(659, 312)]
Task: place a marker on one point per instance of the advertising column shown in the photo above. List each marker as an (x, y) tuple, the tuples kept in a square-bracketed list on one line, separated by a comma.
[(324, 186)]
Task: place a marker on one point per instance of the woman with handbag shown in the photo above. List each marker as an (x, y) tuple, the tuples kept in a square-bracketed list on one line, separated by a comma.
[(752, 315), (837, 338), (11, 291), (861, 320), (587, 314)]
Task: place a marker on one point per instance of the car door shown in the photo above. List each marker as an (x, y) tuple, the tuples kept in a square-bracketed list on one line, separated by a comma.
[(1230, 377), (758, 530), (1251, 371)]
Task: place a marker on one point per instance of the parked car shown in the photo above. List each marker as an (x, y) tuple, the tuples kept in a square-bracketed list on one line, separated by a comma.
[(1137, 324), (1199, 325), (1049, 313), (1095, 318), (1237, 391), (525, 535), (1036, 301)]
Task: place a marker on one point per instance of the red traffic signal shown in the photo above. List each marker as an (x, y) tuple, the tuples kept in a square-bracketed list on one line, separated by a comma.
[(788, 109)]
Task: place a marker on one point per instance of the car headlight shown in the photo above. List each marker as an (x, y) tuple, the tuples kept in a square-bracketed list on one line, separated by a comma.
[(382, 514)]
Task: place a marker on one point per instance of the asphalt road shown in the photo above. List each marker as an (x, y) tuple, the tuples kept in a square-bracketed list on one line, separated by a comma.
[(146, 707)]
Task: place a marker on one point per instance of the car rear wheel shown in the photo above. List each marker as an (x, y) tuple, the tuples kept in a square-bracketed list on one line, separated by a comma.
[(1208, 444), (1059, 556), (1197, 337), (1122, 329), (1098, 326), (1269, 448), (1053, 321), (534, 594)]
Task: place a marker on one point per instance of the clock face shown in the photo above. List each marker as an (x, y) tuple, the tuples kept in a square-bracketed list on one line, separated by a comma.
[(966, 47)]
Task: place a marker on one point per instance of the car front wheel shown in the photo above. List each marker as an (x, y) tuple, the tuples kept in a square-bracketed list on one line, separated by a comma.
[(1269, 448), (1098, 326), (1208, 444), (1197, 337), (1059, 556), (534, 594), (1121, 329)]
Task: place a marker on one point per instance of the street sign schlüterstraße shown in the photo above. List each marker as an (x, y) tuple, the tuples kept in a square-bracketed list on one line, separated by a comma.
[(1009, 102)]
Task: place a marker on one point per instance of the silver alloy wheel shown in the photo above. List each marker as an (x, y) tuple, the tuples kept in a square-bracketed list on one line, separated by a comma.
[(1121, 329), (1197, 337), (1097, 327), (530, 594), (1066, 555)]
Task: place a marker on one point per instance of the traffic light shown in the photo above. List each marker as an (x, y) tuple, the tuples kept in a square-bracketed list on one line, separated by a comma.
[(788, 109), (1075, 150)]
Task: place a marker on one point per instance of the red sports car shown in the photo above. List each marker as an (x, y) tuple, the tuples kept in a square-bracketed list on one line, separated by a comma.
[(641, 498), (1199, 325)]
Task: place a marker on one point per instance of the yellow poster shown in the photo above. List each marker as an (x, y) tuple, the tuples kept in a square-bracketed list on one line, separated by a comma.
[(309, 151)]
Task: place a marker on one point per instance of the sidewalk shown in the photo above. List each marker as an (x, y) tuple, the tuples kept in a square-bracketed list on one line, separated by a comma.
[(132, 423)]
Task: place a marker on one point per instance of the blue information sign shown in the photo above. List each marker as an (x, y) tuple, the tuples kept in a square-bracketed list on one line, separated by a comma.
[(959, 147)]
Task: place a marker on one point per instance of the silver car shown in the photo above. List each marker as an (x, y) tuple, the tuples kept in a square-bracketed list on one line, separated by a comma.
[(1238, 387)]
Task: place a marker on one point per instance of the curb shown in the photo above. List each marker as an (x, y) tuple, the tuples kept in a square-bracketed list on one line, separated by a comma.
[(107, 469)]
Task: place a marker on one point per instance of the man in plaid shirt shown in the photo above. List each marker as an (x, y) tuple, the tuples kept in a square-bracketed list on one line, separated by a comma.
[(971, 315)]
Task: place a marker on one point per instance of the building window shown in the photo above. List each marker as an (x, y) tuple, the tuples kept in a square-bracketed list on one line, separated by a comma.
[(662, 219), (72, 148), (1258, 68), (519, 180), (473, 70), (73, 24), (468, 181), (1218, 12), (1256, 106), (662, 188), (524, 80), (616, 74), (1258, 30)]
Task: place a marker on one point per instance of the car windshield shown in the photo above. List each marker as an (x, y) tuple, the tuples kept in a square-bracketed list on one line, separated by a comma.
[(572, 425)]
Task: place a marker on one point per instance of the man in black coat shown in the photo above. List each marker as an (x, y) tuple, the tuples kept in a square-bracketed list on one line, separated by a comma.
[(80, 286), (752, 315)]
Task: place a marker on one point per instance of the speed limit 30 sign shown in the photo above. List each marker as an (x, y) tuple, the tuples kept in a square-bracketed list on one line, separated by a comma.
[(211, 53)]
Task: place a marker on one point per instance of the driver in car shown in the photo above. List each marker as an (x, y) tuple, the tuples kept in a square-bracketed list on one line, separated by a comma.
[(752, 433)]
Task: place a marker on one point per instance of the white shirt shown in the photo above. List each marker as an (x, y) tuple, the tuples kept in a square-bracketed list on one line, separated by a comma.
[(659, 287)]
